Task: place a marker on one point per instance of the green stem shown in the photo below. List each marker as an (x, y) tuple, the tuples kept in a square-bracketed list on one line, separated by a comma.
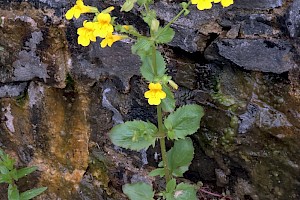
[(161, 133), (175, 18), (162, 143), (154, 64)]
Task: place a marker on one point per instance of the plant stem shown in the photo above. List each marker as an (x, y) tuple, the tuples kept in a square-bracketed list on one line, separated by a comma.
[(154, 64), (163, 143), (175, 18), (161, 132)]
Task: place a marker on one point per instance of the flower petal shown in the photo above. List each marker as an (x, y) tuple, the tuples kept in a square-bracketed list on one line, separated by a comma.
[(161, 94), (148, 94), (103, 43), (84, 41), (70, 13), (154, 101)]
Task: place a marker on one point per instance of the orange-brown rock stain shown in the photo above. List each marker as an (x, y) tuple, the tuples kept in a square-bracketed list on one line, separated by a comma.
[(67, 130)]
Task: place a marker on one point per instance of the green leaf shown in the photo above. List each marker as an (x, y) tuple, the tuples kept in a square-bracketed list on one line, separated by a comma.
[(138, 191), (184, 121), (168, 103), (147, 66), (6, 160), (5, 178), (179, 157), (3, 169), (149, 16), (13, 174), (180, 171), (128, 5), (134, 135), (184, 5), (157, 172), (171, 185), (29, 194), (146, 69), (13, 192), (164, 35), (185, 191), (141, 2), (25, 171), (186, 12), (142, 45), (161, 64)]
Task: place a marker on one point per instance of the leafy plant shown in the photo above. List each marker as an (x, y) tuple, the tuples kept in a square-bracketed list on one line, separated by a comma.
[(9, 174), (179, 123)]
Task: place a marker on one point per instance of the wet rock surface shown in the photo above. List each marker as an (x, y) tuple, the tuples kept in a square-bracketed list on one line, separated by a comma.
[(274, 56), (59, 100)]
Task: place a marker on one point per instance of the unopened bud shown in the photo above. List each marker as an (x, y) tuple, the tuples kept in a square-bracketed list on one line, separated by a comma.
[(173, 84)]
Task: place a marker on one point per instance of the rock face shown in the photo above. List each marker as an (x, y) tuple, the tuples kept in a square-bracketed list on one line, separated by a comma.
[(257, 54), (59, 100)]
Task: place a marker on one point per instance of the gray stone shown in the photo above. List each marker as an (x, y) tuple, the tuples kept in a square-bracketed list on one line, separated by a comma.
[(258, 4), (54, 3), (35, 93), (293, 19), (257, 55), (117, 61), (264, 117), (233, 32), (257, 24), (185, 38), (187, 27), (12, 89), (194, 19), (29, 66)]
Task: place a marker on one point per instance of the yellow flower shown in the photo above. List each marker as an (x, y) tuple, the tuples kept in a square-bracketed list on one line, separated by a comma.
[(224, 3), (203, 4), (110, 39), (103, 25), (79, 8), (155, 94), (86, 33), (207, 4)]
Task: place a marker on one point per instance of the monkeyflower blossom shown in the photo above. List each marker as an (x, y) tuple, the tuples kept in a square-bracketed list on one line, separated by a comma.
[(104, 26), (224, 3), (110, 39), (86, 33), (155, 94), (203, 4), (207, 4), (79, 8)]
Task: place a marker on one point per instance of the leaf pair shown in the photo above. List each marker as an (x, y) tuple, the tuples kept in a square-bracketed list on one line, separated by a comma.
[(9, 174), (182, 191), (13, 193), (179, 158), (137, 135), (140, 190)]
